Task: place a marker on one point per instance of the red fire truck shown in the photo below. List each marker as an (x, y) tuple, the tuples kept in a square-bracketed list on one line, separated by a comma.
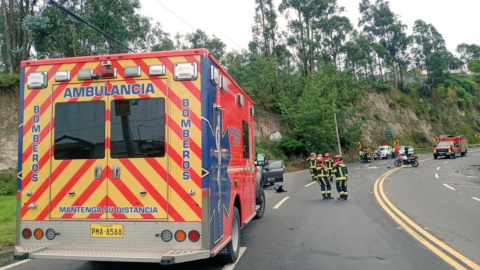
[(450, 146), (143, 157)]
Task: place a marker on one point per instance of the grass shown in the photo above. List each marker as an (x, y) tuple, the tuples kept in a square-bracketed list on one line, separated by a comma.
[(8, 210)]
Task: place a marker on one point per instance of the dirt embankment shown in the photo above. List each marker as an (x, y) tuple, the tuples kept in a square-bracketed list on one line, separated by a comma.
[(8, 130)]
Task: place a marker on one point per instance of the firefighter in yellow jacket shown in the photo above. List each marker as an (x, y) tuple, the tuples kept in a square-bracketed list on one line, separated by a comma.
[(341, 175), (312, 161), (322, 180), (329, 163)]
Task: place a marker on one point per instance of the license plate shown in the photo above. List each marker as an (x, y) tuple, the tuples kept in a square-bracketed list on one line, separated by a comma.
[(106, 230)]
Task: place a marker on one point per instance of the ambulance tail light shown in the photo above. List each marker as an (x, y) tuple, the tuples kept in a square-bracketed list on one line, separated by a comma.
[(185, 71), (108, 73), (180, 236), (38, 233), (27, 233), (37, 80), (194, 236), (62, 76)]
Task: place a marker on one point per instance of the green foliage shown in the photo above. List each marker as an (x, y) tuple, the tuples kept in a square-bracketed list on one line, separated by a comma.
[(425, 90), (389, 133), (385, 87), (8, 83), (8, 183), (273, 150), (406, 89), (474, 66)]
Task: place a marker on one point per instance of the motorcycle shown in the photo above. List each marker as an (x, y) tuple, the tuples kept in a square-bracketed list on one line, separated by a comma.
[(403, 160)]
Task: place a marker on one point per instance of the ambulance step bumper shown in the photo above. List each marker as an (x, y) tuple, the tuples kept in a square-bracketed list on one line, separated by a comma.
[(167, 258)]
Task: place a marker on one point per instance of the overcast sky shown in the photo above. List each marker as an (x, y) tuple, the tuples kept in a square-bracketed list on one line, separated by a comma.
[(231, 20)]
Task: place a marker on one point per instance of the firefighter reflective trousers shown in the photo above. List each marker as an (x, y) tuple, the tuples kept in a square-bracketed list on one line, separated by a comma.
[(324, 186), (342, 188)]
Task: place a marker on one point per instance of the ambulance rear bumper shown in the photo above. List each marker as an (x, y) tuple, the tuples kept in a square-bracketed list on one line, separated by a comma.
[(165, 258)]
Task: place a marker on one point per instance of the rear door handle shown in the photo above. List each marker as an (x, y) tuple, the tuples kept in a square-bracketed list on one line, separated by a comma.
[(98, 172), (116, 171)]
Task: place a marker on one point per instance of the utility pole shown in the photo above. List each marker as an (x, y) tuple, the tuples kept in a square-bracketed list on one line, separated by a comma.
[(336, 128)]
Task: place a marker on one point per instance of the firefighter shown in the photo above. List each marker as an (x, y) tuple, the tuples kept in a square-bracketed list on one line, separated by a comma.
[(341, 176), (322, 180), (329, 164), (368, 155), (313, 164), (360, 154)]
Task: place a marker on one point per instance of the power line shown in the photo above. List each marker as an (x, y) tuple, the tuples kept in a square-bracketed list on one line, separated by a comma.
[(78, 18), (225, 36)]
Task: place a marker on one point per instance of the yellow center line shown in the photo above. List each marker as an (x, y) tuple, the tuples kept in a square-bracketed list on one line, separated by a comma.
[(384, 201)]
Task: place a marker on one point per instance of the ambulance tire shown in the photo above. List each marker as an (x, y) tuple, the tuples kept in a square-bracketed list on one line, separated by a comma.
[(233, 248), (262, 203)]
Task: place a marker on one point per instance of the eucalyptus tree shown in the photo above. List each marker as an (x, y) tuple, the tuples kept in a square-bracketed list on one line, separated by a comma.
[(265, 27), (468, 52), (15, 42), (304, 29), (200, 39), (383, 26), (334, 34), (430, 50), (56, 34)]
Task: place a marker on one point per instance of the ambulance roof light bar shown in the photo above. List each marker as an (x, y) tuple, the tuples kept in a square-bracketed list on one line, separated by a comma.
[(37, 80)]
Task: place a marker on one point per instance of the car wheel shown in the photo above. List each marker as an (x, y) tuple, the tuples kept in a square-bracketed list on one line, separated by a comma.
[(261, 210), (233, 247)]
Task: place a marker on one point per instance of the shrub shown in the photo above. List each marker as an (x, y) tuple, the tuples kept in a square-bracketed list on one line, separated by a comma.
[(385, 87), (8, 183), (406, 89), (8, 83), (425, 90)]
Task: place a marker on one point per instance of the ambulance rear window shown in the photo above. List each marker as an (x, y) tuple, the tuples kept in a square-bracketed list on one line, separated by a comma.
[(79, 130), (138, 128)]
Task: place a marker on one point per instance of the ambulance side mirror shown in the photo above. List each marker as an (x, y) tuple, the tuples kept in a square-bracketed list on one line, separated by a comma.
[(261, 160)]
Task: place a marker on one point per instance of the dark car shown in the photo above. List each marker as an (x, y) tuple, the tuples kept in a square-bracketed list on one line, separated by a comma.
[(273, 172)]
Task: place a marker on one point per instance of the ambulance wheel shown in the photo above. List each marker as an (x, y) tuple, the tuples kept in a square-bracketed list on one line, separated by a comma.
[(261, 203), (233, 248)]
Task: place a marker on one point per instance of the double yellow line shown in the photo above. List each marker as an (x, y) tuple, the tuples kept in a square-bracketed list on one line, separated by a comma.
[(424, 237)]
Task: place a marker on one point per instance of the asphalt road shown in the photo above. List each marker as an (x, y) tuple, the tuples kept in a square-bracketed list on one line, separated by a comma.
[(306, 232)]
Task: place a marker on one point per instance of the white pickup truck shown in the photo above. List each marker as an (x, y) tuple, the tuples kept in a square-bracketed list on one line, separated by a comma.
[(383, 152)]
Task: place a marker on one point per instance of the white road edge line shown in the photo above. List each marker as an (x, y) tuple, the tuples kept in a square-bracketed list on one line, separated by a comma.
[(438, 168), (436, 175), (280, 203), (449, 187), (230, 266), (382, 162), (14, 264), (307, 185), (476, 199)]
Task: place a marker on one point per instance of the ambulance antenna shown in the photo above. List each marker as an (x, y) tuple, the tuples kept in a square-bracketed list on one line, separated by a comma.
[(78, 18)]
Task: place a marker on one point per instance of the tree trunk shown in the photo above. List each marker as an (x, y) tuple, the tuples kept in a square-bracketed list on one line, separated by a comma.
[(8, 37)]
